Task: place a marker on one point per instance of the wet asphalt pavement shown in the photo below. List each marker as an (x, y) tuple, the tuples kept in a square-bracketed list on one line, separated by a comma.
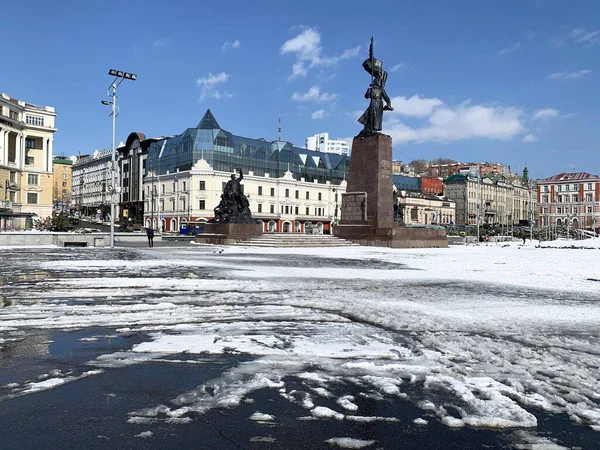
[(93, 412)]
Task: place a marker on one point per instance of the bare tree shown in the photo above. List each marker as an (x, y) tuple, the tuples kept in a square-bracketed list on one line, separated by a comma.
[(419, 166)]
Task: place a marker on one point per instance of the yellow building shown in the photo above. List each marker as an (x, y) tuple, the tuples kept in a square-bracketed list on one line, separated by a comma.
[(63, 181), (26, 141)]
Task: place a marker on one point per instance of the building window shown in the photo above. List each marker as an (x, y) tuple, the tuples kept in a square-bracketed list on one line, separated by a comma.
[(320, 196), (64, 176), (272, 192), (29, 143), (260, 207), (64, 184), (173, 187), (29, 160), (162, 205), (32, 198), (13, 177), (575, 187), (223, 184), (589, 209), (287, 209), (162, 188), (34, 120), (202, 185), (64, 168), (307, 211), (183, 188), (32, 179), (13, 114), (297, 194), (558, 210), (545, 188), (296, 210), (307, 195), (287, 192), (589, 186), (125, 168), (272, 209), (260, 190), (559, 188)]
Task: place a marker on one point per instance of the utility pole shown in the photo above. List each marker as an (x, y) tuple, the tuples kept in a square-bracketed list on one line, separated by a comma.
[(478, 195)]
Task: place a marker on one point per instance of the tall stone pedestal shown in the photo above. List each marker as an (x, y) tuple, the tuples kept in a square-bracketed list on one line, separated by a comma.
[(368, 205)]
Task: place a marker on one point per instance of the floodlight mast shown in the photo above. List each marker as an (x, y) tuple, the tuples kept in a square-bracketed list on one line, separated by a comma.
[(112, 92)]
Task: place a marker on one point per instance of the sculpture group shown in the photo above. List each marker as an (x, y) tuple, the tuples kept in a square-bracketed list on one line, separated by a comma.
[(234, 206)]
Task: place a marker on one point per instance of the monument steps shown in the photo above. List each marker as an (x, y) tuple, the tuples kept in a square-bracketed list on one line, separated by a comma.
[(288, 240)]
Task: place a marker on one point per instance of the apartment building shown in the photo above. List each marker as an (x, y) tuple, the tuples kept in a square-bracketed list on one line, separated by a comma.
[(26, 141), (499, 200), (91, 176), (62, 183), (569, 199)]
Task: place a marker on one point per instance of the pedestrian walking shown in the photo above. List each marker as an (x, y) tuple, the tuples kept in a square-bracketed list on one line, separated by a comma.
[(150, 234)]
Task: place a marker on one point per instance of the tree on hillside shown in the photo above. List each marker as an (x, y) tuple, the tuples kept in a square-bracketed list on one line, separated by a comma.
[(443, 161), (419, 166)]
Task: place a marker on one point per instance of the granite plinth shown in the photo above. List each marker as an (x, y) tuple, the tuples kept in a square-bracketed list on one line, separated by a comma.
[(370, 172), (394, 237), (368, 205), (228, 233)]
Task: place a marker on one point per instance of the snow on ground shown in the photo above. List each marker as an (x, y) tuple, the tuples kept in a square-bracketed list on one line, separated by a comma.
[(474, 336)]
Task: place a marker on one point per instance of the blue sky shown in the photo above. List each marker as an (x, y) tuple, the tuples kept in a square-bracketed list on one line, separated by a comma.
[(511, 81)]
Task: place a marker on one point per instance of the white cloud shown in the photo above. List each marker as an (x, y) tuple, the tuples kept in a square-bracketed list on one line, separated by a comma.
[(530, 138), (569, 75), (545, 114), (585, 37), (397, 67), (512, 48), (158, 44), (314, 94), (465, 121), (306, 46), (298, 70), (226, 46), (207, 85), (415, 106), (319, 114)]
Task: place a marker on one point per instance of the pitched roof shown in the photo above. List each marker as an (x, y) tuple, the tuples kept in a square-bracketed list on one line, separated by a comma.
[(576, 176)]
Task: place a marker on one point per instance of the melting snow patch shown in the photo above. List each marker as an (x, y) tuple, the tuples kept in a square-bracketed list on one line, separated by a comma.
[(326, 413), (144, 434), (346, 403), (262, 439), (260, 417), (349, 442)]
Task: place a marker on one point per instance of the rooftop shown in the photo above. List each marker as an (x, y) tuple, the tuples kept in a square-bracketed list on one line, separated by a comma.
[(575, 176)]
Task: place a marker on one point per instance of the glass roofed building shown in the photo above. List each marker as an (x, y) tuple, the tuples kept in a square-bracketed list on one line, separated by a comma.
[(225, 151), (289, 188)]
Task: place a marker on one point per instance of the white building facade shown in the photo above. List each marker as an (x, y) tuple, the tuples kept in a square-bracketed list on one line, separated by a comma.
[(426, 209), (91, 177), (26, 142), (283, 204), (321, 143)]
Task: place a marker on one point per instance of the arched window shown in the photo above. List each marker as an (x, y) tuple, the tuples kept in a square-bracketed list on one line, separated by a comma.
[(272, 226), (558, 222), (319, 227), (173, 225)]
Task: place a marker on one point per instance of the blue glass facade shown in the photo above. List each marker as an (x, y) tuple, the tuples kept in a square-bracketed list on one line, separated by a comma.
[(226, 152)]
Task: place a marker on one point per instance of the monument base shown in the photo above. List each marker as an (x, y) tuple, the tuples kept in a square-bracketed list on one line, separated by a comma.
[(228, 233), (396, 237)]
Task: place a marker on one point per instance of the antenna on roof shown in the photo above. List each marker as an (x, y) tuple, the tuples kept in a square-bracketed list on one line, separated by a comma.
[(279, 129)]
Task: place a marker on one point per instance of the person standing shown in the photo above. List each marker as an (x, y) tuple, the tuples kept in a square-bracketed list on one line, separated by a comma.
[(150, 234)]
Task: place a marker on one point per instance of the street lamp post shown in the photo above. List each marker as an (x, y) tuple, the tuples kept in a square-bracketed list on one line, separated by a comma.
[(112, 92)]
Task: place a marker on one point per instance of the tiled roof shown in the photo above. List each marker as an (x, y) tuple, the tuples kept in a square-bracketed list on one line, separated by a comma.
[(576, 176)]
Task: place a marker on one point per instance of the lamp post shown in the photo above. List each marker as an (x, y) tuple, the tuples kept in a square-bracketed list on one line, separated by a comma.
[(112, 92)]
